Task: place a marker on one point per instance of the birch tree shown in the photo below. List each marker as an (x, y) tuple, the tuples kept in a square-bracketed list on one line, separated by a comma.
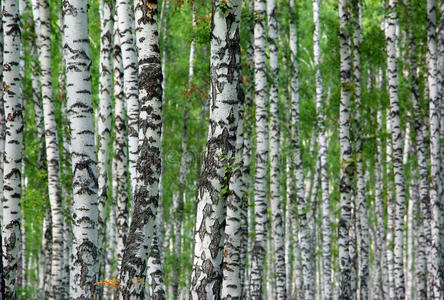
[(146, 194), (104, 117), (83, 154), (361, 206), (206, 277), (120, 149), (436, 274), (276, 208), (322, 142), (260, 177), (125, 19), (346, 177), (52, 151), (13, 145), (397, 142)]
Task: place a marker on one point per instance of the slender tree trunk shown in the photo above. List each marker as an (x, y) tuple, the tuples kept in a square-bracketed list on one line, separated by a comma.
[(247, 209), (260, 205), (125, 19), (164, 242), (13, 145), (206, 278), (36, 85), (277, 227), (361, 206), (2, 158), (436, 273), (381, 250), (66, 169), (390, 208), (146, 194), (232, 263), (83, 153), (412, 211), (52, 152), (346, 177), (109, 254), (120, 150), (322, 142), (397, 142), (104, 119), (45, 256)]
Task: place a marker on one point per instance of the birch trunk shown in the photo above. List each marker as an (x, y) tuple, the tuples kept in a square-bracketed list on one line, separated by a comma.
[(397, 142), (120, 149), (104, 119), (146, 194), (2, 139), (390, 208), (13, 145), (435, 273), (36, 86), (323, 151), (277, 227), (260, 206), (52, 151), (412, 211), (361, 206), (232, 263), (206, 278), (125, 19), (346, 177), (381, 250), (83, 154), (45, 255)]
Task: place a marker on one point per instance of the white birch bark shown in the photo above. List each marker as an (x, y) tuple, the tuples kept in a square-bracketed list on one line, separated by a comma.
[(397, 144), (361, 206), (52, 151), (36, 86), (120, 150), (381, 248), (125, 19), (232, 266), (2, 136), (277, 226), (206, 278), (435, 272), (346, 177), (322, 142), (411, 212), (110, 251), (45, 256), (248, 225), (146, 193), (104, 119), (260, 205), (163, 25), (83, 153), (13, 145)]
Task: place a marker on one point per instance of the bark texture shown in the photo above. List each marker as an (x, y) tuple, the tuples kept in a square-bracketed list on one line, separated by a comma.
[(13, 145), (213, 188), (260, 176), (346, 160), (146, 196), (83, 153)]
